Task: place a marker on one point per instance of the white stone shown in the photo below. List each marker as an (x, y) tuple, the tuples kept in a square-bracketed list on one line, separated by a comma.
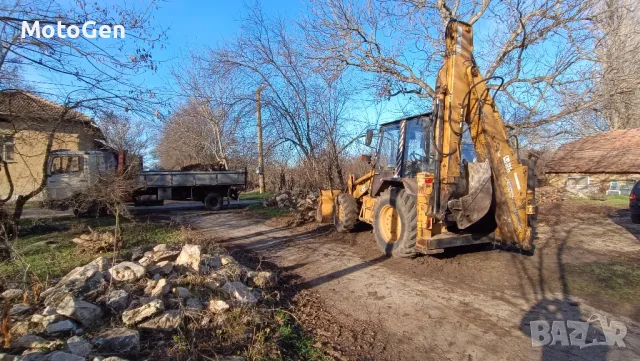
[(20, 328), (142, 312), (240, 292), (12, 294), (157, 288), (163, 268), (103, 263), (166, 255), (160, 247), (263, 279), (126, 271), (218, 306), (189, 258), (167, 321)]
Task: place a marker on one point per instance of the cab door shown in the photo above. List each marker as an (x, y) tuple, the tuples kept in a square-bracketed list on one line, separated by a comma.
[(67, 176)]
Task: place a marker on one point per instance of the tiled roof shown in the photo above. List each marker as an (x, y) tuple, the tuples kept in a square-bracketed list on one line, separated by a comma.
[(26, 105), (616, 151)]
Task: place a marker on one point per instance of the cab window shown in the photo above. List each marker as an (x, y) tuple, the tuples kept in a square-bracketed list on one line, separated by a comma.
[(66, 164), (388, 147)]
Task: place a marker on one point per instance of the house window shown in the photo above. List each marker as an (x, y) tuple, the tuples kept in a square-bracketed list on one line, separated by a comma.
[(578, 182), (6, 148), (620, 187), (63, 164)]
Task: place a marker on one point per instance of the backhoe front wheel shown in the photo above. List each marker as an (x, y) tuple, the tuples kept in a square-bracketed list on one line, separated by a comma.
[(395, 223), (345, 213)]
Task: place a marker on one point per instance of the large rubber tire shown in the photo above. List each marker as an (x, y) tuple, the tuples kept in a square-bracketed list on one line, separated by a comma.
[(405, 206), (635, 218), (213, 202), (349, 215)]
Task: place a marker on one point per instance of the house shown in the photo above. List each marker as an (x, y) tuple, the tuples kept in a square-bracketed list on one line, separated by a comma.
[(26, 122), (603, 163)]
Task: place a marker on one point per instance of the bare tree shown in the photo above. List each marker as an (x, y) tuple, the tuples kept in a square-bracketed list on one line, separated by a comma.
[(304, 101), (618, 37), (124, 134), (217, 104), (536, 46)]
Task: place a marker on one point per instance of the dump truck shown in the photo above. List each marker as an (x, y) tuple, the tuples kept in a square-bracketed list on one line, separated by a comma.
[(428, 189), (73, 173)]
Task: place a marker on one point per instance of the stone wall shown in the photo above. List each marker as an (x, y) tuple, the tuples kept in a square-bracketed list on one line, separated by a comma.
[(599, 183)]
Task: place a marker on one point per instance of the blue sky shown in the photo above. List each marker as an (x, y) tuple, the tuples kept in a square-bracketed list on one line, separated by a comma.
[(198, 24)]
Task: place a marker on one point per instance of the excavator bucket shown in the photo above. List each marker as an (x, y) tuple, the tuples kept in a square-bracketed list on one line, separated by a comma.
[(324, 212), (468, 209)]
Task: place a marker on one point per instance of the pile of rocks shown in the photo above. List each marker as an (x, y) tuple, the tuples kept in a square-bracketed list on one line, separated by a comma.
[(97, 311), (303, 203)]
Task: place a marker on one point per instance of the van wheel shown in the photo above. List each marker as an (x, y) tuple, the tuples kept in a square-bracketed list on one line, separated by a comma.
[(635, 218), (213, 202), (395, 223)]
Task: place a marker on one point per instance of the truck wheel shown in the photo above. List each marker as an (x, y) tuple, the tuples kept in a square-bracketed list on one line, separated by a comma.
[(395, 223), (213, 202), (345, 213)]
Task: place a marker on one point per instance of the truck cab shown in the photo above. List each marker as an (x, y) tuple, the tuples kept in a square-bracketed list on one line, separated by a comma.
[(72, 172)]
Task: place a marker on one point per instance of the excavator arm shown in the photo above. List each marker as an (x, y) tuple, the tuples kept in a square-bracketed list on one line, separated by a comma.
[(463, 102)]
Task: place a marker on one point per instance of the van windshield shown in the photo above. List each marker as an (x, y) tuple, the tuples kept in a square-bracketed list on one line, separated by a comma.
[(66, 164)]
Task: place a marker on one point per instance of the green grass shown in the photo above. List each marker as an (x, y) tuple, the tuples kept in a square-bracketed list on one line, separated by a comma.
[(297, 343), (44, 248), (615, 281), (618, 201), (270, 212), (255, 196)]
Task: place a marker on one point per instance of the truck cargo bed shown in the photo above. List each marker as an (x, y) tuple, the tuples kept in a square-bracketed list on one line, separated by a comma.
[(155, 179)]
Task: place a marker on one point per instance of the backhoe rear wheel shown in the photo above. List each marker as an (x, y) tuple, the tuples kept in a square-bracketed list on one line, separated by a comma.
[(395, 223), (345, 213)]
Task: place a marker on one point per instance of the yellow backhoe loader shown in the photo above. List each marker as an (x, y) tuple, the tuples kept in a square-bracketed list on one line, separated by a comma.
[(428, 189)]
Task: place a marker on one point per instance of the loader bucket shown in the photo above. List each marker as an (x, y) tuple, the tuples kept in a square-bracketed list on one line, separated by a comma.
[(324, 212), (468, 209)]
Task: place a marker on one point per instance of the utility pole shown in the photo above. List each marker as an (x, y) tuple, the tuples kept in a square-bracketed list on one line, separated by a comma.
[(260, 151)]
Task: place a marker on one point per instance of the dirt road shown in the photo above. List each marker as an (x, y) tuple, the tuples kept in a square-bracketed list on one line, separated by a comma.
[(470, 305)]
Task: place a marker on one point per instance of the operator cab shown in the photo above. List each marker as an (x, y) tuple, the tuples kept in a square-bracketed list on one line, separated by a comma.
[(404, 148)]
